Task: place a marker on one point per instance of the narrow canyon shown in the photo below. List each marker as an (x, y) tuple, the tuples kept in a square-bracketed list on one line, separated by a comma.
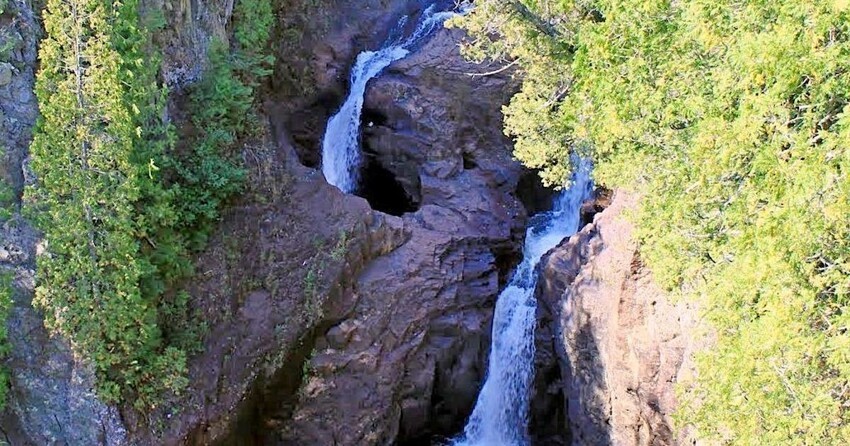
[(391, 274)]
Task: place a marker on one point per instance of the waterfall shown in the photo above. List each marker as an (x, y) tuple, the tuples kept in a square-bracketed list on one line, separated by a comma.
[(341, 143), (500, 417)]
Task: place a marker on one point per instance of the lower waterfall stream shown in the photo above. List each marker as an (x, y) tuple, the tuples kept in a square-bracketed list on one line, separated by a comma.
[(500, 417)]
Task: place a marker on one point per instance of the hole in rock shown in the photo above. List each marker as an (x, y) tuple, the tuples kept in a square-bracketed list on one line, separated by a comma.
[(532, 194), (371, 117), (598, 202), (389, 174), (469, 161), (506, 259), (383, 190)]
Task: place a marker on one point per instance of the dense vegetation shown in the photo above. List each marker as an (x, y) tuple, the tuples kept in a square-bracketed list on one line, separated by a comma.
[(221, 109), (731, 119), (121, 208), (95, 201)]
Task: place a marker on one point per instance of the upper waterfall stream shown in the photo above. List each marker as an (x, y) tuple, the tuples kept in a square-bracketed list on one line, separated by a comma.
[(500, 417), (341, 143)]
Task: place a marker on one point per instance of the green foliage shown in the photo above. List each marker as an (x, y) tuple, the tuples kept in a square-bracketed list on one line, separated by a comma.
[(98, 201), (341, 247), (119, 208), (253, 28), (211, 172), (221, 109), (7, 200), (6, 293), (181, 327), (731, 119)]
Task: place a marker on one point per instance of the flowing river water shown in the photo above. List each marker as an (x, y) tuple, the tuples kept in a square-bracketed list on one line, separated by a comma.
[(500, 416)]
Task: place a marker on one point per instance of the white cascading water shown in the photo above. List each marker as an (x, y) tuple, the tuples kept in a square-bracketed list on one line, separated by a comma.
[(500, 417), (341, 143)]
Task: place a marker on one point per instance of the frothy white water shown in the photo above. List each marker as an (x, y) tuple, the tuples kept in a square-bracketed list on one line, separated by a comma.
[(500, 417), (341, 143)]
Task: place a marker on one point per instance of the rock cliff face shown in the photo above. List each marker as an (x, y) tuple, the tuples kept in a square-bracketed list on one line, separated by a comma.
[(407, 361), (349, 320), (621, 344), (329, 322)]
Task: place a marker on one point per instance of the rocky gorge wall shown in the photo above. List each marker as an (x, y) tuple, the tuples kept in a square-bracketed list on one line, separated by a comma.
[(308, 293), (617, 343)]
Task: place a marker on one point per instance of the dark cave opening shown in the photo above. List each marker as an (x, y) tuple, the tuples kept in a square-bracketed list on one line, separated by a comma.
[(370, 117), (469, 161), (383, 190), (533, 195), (389, 180)]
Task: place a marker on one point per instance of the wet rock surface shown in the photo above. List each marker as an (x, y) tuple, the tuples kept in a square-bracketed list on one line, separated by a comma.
[(620, 344)]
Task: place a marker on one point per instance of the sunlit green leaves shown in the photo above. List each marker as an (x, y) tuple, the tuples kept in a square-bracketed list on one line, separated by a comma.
[(95, 201), (730, 119)]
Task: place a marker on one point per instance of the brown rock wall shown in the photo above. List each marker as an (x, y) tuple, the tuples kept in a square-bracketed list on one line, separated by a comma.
[(622, 343)]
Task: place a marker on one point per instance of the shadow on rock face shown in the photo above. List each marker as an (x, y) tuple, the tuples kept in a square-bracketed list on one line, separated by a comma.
[(383, 191), (588, 375), (534, 196)]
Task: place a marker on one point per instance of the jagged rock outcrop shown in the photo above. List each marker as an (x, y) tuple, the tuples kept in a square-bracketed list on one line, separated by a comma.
[(274, 276), (621, 343)]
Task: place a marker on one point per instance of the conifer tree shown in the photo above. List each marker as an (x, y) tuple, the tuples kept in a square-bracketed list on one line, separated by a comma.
[(85, 153)]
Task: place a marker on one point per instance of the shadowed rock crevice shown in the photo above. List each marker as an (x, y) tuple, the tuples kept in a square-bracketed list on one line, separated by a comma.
[(469, 161), (372, 117), (383, 190), (308, 126), (270, 400), (389, 177), (534, 196), (389, 173)]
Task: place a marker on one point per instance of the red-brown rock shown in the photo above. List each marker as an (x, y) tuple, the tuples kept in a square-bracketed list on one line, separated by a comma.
[(622, 343)]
